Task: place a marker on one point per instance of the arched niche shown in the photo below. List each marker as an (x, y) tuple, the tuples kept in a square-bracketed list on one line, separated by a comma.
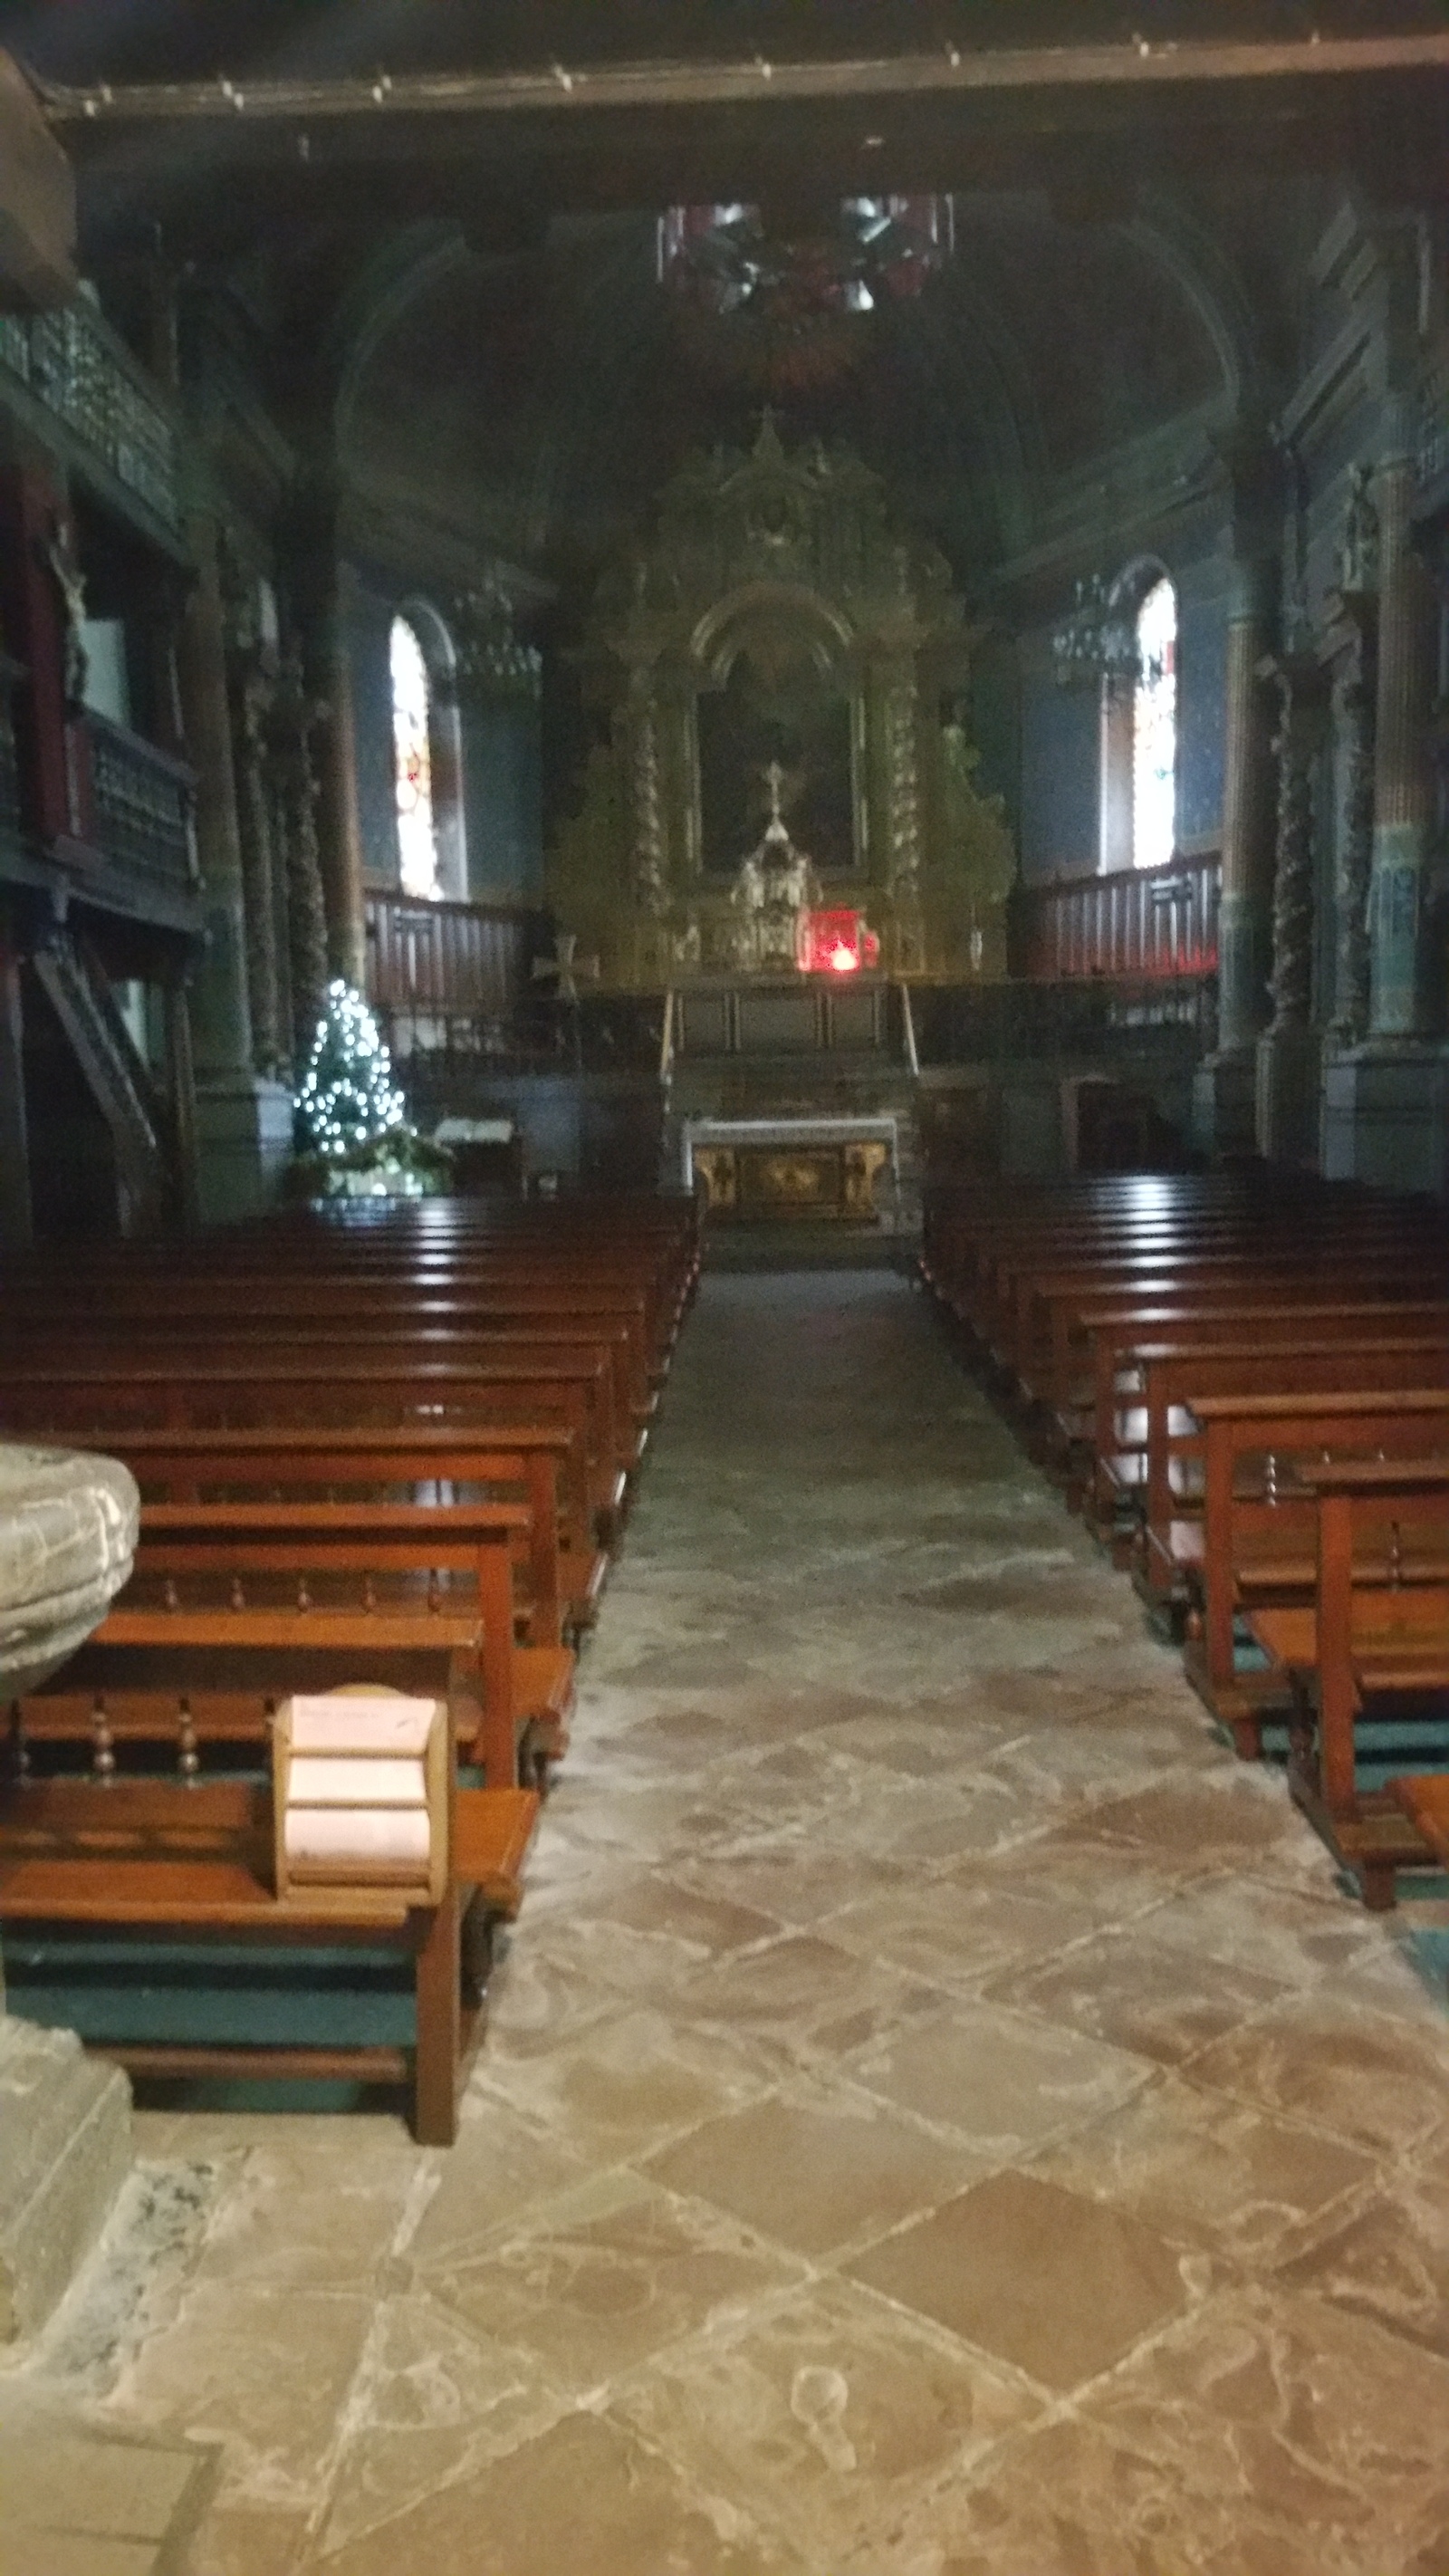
[(779, 686)]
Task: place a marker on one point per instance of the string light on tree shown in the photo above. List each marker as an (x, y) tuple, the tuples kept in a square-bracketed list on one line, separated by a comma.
[(348, 1100)]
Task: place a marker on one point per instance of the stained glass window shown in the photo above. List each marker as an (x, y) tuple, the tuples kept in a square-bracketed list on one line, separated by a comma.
[(1154, 729), (413, 762)]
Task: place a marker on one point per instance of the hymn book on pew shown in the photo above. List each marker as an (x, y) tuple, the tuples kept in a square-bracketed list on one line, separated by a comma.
[(361, 1783)]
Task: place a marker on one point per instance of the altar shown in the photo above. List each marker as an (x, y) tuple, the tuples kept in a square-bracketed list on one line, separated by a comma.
[(755, 1169)]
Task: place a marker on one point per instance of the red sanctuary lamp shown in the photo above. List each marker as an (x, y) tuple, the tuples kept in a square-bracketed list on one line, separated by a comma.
[(837, 943)]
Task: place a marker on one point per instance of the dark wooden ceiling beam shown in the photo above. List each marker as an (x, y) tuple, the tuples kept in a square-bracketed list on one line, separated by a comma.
[(984, 75), (37, 200)]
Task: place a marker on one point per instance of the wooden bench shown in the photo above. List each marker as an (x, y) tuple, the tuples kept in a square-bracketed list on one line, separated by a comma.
[(1175, 1379), (1260, 1517), (1045, 1347), (1375, 1634), (412, 1464), (1092, 1435), (382, 1552), (495, 1398), (180, 1858), (90, 1340)]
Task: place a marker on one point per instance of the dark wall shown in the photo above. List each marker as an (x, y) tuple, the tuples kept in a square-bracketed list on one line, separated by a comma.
[(503, 794), (996, 726), (1202, 676), (369, 639), (1060, 764)]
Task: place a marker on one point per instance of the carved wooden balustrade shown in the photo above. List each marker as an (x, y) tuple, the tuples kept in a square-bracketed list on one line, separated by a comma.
[(453, 978), (80, 372), (1137, 924), (143, 809)]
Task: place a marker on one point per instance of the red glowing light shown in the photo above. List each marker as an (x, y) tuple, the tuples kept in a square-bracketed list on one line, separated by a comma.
[(837, 943)]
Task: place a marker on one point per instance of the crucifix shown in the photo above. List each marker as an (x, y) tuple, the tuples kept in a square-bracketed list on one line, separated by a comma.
[(70, 582)]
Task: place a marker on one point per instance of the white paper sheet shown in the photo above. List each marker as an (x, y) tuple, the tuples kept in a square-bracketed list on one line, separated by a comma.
[(370, 1836), (361, 1723)]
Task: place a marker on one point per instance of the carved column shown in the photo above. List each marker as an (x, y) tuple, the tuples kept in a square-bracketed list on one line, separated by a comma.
[(903, 821), (253, 691), (1353, 721), (243, 1120), (650, 849), (221, 1019), (1287, 1067), (1295, 747), (1403, 778), (1224, 1115), (295, 720), (251, 679), (1247, 834), (323, 592)]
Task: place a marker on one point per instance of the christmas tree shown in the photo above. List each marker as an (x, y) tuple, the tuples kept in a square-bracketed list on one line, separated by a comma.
[(348, 1101)]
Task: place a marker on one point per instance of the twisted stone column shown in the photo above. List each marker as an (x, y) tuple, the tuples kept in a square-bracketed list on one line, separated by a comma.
[(1403, 783), (221, 1017), (1353, 718), (291, 776), (1226, 1112), (253, 690), (1247, 841), (1286, 1108), (1295, 746), (903, 810), (323, 591)]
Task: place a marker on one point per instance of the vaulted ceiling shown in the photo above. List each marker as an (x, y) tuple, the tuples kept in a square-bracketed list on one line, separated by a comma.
[(437, 221)]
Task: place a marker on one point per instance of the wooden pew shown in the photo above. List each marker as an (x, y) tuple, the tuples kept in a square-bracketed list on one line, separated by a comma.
[(289, 1393), (1259, 1516), (298, 1551), (499, 1398), (1176, 1377), (1096, 1440), (390, 1329), (1375, 1635), (1000, 1274), (181, 1858), (412, 1464), (1044, 1346)]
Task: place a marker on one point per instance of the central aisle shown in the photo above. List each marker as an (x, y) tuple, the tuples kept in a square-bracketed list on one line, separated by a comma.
[(938, 2118)]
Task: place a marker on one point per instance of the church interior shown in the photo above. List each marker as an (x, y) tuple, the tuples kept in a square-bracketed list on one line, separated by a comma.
[(724, 1303)]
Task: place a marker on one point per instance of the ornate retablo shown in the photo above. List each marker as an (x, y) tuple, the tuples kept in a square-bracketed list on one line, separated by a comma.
[(785, 658)]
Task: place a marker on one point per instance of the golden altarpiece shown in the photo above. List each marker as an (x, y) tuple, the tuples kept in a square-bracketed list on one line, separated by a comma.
[(778, 669)]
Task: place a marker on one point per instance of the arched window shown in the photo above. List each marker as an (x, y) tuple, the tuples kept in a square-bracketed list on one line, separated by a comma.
[(413, 762), (1154, 729)]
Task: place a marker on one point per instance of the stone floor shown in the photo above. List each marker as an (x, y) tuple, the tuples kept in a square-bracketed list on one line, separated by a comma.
[(940, 2116)]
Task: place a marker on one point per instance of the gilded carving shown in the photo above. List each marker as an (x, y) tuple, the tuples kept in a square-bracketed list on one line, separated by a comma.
[(792, 566)]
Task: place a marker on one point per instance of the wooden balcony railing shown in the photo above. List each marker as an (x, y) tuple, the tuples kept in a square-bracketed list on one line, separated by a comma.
[(143, 808), (74, 364), (1139, 923), (451, 977)]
